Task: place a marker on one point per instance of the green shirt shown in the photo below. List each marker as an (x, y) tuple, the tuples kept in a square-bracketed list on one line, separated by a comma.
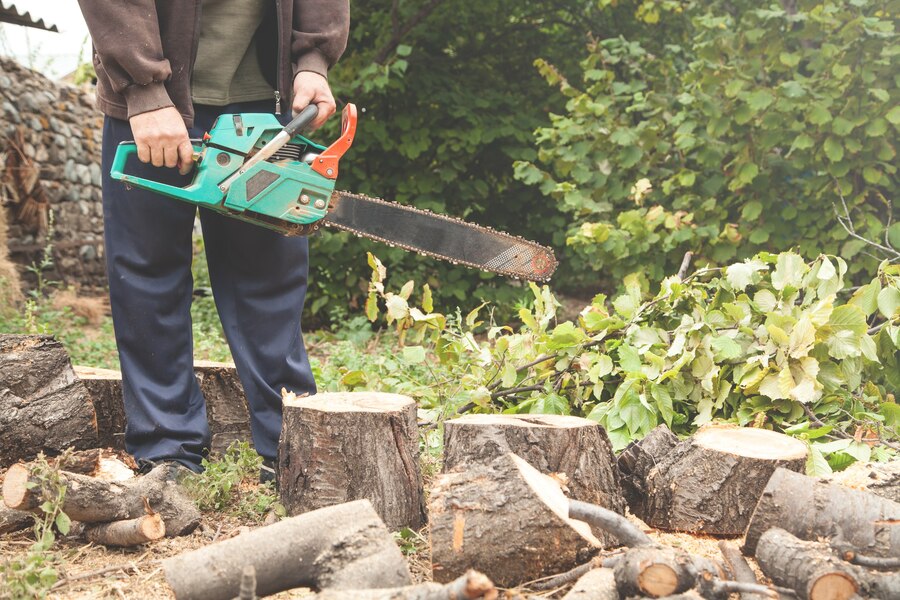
[(226, 69)]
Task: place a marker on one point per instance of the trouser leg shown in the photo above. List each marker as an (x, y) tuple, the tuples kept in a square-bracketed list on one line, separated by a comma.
[(148, 253), (259, 282)]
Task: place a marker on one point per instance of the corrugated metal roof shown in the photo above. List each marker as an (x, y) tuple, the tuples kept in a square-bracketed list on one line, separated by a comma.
[(10, 14)]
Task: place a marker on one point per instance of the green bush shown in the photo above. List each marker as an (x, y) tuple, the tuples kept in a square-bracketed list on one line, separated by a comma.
[(755, 132), (773, 341)]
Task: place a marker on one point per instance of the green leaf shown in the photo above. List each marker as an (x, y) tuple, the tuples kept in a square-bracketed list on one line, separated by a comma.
[(876, 127), (889, 302), (760, 99), (819, 115), (629, 359), (413, 354), (663, 402), (789, 271), (353, 378), (841, 126), (403, 50), (407, 289), (833, 150), (816, 465), (893, 115), (849, 318), (427, 302), (740, 275), (725, 348), (63, 524), (802, 142), (747, 173)]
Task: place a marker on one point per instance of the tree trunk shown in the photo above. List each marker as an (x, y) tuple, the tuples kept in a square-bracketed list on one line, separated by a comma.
[(14, 520), (92, 500), (506, 520), (43, 406), (576, 450), (226, 405), (129, 532), (808, 568), (638, 459), (335, 448), (342, 547), (711, 482), (596, 584), (811, 510), (880, 478), (470, 586)]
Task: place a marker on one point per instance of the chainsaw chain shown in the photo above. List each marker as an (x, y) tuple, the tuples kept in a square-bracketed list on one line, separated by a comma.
[(545, 252)]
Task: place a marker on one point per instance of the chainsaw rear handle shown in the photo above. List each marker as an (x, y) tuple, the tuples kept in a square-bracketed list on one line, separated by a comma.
[(302, 121)]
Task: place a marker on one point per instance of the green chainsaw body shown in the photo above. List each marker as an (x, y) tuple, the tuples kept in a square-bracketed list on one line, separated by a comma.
[(274, 193)]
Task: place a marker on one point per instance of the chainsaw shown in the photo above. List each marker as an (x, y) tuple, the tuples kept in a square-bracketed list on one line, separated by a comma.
[(251, 168)]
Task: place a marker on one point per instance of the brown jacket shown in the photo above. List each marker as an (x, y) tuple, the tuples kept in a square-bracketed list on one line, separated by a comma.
[(144, 49)]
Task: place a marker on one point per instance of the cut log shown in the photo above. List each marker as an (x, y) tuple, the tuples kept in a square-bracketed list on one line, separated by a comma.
[(740, 570), (342, 547), (470, 586), (43, 406), (661, 571), (336, 448), (129, 532), (812, 510), (576, 449), (639, 457), (226, 404), (712, 481), (92, 500), (505, 519), (596, 584), (14, 520), (808, 568)]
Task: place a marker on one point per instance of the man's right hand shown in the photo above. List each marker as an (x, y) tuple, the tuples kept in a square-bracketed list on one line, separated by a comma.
[(162, 139)]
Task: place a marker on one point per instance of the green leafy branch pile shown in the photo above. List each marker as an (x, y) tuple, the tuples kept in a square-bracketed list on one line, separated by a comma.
[(773, 341)]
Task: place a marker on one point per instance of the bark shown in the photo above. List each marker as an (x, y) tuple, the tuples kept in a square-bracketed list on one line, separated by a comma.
[(341, 447), (596, 584), (506, 520), (638, 458), (576, 450), (740, 570), (342, 547), (14, 520), (808, 568), (129, 532), (469, 586), (226, 404), (43, 406), (662, 571), (810, 510), (712, 481), (92, 500)]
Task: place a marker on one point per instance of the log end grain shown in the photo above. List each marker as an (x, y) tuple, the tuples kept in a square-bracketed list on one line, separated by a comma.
[(749, 442), (16, 494)]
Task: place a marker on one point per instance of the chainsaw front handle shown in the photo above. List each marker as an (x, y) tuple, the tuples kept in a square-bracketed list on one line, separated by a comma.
[(126, 150), (326, 164)]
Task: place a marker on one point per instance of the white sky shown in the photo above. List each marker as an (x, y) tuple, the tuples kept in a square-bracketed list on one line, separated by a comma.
[(53, 54)]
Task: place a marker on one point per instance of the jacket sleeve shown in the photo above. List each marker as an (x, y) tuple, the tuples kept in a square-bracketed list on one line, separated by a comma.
[(319, 34), (126, 39)]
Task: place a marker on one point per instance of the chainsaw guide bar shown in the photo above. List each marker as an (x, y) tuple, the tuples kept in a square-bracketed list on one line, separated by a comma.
[(440, 236)]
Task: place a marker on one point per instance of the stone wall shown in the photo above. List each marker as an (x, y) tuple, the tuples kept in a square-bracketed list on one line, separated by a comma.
[(54, 132)]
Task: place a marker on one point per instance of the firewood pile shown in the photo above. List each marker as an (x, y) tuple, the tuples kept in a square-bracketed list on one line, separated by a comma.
[(526, 504)]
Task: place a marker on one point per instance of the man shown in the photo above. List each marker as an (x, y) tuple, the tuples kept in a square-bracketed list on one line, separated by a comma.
[(165, 71)]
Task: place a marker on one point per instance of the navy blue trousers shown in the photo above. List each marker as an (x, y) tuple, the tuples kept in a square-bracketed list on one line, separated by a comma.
[(258, 279)]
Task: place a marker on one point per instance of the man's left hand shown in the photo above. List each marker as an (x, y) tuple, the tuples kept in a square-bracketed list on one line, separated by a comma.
[(312, 88)]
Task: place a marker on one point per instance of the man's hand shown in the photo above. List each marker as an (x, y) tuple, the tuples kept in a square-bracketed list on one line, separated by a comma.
[(162, 139), (312, 88)]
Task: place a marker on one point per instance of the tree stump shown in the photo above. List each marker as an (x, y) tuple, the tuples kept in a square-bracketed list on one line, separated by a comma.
[(43, 406), (506, 520), (226, 404), (573, 448), (342, 547), (712, 481), (637, 460), (812, 510), (339, 447)]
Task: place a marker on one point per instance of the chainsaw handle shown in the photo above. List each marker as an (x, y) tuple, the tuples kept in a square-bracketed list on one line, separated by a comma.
[(302, 121), (126, 150)]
